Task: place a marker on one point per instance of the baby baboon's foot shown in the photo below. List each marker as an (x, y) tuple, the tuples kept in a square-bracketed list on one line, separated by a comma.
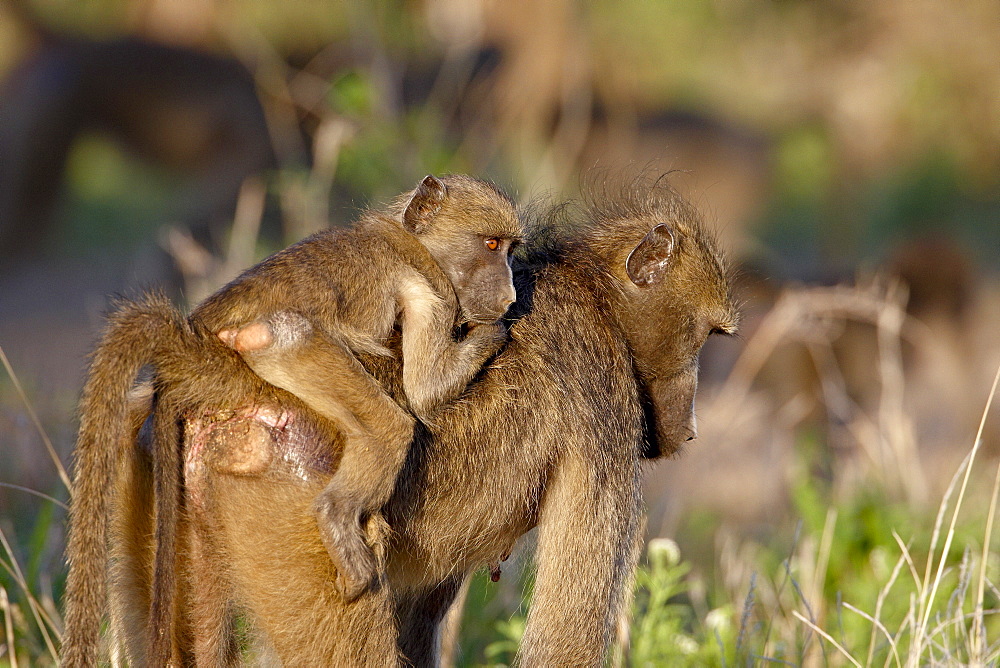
[(358, 574), (355, 561), (489, 337), (280, 329)]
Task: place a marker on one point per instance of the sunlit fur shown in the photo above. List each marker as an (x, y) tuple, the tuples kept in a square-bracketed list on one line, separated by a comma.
[(552, 435)]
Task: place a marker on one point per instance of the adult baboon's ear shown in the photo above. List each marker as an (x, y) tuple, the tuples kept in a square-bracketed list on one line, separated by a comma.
[(426, 202), (649, 260)]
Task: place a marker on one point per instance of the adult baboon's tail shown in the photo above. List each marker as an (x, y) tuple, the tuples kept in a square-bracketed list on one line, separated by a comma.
[(137, 333)]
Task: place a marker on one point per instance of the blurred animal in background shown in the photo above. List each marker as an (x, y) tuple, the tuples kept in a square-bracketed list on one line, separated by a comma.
[(191, 112)]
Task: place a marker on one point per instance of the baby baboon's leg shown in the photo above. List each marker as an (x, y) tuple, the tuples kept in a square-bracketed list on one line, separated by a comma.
[(287, 352)]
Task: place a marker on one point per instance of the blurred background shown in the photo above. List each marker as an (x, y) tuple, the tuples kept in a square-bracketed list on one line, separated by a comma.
[(847, 152)]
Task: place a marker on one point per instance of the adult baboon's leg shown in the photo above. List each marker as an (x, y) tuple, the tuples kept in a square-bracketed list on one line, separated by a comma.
[(585, 559), (420, 621), (292, 598)]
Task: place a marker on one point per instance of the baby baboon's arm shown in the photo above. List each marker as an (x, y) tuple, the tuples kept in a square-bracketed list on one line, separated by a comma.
[(436, 367)]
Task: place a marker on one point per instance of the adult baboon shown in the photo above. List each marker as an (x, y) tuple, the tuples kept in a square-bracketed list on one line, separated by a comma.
[(442, 260), (599, 375)]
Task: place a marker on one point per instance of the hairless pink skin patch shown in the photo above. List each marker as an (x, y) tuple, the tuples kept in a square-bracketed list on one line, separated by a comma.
[(255, 441)]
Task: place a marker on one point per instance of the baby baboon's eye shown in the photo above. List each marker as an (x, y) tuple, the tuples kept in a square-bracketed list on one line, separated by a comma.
[(492, 243)]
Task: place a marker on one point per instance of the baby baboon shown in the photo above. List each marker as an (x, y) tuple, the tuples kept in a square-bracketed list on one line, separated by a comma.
[(599, 376), (463, 226), (351, 290)]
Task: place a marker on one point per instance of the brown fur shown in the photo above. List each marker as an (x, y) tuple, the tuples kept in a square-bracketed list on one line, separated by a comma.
[(137, 333), (599, 376), (357, 286)]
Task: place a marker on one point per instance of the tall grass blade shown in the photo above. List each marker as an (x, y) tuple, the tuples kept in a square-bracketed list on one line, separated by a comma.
[(33, 492), (41, 618), (828, 638), (978, 629), (8, 627), (876, 626), (958, 506)]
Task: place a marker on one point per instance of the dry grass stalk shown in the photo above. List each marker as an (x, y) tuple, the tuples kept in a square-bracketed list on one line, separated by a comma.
[(978, 642), (42, 618), (202, 272), (8, 628), (814, 317), (927, 606), (63, 476)]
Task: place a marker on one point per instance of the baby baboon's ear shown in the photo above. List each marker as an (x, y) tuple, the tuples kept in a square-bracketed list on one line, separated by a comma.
[(649, 260), (425, 203)]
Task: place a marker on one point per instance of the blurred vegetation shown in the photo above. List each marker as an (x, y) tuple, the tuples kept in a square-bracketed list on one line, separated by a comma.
[(880, 120), (823, 136)]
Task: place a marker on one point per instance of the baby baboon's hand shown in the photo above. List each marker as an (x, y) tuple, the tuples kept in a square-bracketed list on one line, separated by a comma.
[(281, 329), (487, 337)]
